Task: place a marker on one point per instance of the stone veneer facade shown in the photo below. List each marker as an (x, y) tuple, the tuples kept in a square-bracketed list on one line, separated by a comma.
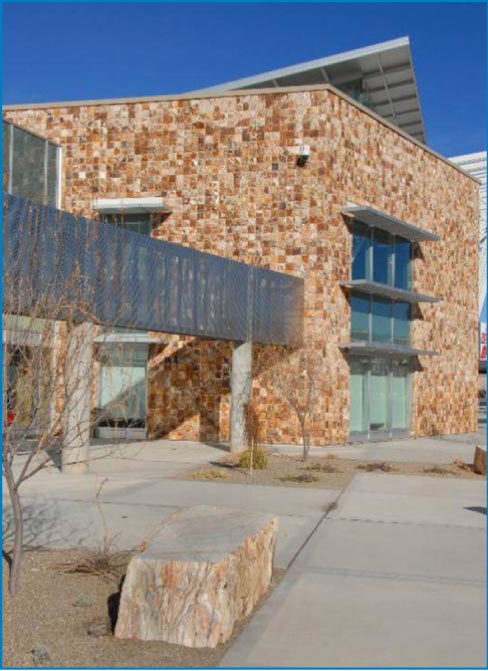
[(226, 165)]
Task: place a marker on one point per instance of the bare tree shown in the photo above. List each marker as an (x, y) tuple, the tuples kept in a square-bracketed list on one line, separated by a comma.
[(299, 379), (47, 379)]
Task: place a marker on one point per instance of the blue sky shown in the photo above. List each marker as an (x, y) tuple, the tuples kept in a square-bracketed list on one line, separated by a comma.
[(62, 51)]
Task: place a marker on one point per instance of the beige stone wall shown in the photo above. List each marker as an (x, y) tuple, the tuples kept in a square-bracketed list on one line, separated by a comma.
[(227, 168)]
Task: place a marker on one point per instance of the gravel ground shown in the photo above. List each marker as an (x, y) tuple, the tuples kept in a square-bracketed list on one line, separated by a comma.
[(42, 613), (321, 472)]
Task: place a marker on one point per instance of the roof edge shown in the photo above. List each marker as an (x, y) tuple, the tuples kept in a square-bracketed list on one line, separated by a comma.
[(323, 61), (281, 90)]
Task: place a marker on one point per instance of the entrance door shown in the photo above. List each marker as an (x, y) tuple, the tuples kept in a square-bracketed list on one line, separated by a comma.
[(359, 396), (123, 391), (379, 399), (400, 399)]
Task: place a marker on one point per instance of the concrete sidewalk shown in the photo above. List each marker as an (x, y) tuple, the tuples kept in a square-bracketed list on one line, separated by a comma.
[(395, 576), (139, 493), (437, 449)]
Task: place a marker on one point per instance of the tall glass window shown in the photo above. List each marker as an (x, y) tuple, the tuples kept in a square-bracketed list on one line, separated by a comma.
[(381, 322), (361, 244), (402, 263), (382, 257), (378, 396), (358, 416), (401, 323), (400, 398), (360, 317)]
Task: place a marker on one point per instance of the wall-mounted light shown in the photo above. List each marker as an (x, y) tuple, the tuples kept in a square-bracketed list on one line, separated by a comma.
[(303, 154)]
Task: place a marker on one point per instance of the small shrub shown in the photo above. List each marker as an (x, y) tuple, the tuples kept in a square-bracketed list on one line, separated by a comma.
[(304, 477), (259, 458), (332, 455), (210, 474), (375, 466)]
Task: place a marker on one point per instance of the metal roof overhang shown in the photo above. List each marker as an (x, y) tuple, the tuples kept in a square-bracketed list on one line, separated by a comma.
[(377, 219), (130, 205), (389, 349), (384, 73), (379, 289)]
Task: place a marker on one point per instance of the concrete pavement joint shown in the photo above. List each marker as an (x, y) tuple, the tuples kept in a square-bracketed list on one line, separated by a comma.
[(412, 524), (332, 506), (381, 575)]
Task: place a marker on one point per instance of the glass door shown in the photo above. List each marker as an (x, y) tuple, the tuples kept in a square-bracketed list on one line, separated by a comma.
[(123, 390), (400, 399), (358, 411), (380, 399), (379, 411)]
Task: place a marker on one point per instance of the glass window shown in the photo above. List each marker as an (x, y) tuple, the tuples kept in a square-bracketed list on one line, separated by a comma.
[(122, 393), (382, 257), (52, 174), (138, 223), (28, 170), (381, 310), (361, 243), (357, 411), (402, 263), (5, 154), (360, 317), (378, 396), (400, 399), (401, 323)]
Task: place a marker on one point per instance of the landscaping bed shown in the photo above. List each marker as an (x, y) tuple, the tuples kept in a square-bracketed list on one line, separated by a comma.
[(54, 611), (330, 472)]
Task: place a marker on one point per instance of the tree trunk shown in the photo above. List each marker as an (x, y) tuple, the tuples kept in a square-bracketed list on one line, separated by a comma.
[(16, 558), (305, 441)]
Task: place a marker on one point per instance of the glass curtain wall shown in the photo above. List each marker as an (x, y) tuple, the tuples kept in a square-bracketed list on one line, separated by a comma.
[(380, 257), (380, 404), (380, 397), (380, 320)]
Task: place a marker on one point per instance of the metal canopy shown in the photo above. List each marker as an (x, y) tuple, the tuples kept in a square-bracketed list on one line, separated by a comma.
[(370, 347), (130, 205), (56, 264), (377, 219), (379, 289), (380, 77)]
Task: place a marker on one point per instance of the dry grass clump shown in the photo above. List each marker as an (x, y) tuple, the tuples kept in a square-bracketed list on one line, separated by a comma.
[(437, 470), (210, 474), (321, 468), (254, 458), (459, 463), (103, 561), (332, 455), (376, 466), (304, 477)]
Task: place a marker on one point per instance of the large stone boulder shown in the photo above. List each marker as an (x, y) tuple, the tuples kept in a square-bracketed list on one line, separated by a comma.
[(479, 465), (206, 569)]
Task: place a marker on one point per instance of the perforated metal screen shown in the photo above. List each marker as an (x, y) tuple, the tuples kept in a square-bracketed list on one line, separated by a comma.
[(53, 260)]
